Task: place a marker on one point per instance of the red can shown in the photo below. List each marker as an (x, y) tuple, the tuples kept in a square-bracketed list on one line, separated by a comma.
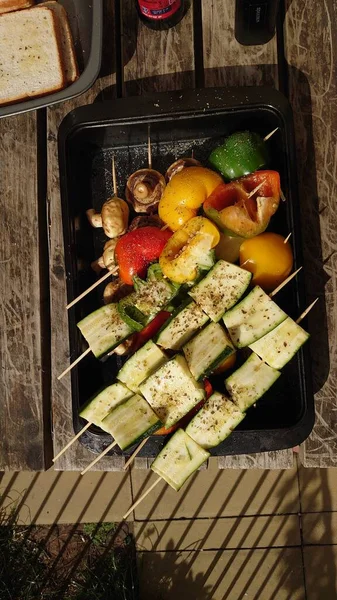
[(160, 14)]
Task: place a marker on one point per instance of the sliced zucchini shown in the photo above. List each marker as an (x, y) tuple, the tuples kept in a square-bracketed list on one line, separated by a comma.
[(206, 350), (281, 344), (98, 407), (141, 365), (172, 391), (215, 421), (222, 287), (130, 422), (248, 383), (179, 458), (252, 318), (184, 323), (104, 329)]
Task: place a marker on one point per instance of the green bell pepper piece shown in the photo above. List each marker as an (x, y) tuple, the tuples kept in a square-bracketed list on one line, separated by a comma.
[(130, 313), (242, 153)]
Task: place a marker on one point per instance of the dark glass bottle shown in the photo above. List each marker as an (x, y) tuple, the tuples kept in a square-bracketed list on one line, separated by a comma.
[(160, 14)]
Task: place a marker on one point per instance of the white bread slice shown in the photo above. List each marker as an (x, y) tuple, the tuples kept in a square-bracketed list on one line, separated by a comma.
[(67, 45), (9, 5), (30, 57)]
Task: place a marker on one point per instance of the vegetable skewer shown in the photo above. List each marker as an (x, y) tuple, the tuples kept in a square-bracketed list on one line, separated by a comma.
[(148, 491), (133, 456)]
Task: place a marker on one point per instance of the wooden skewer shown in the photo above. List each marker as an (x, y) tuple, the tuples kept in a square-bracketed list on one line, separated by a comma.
[(279, 287), (270, 134), (256, 189), (74, 363), (114, 178), (287, 238), (135, 504), (304, 314), (99, 457), (92, 287), (283, 198), (134, 454), (72, 441), (149, 151)]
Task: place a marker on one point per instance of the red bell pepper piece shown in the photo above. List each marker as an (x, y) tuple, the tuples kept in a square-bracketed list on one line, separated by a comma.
[(137, 249), (150, 330), (232, 208)]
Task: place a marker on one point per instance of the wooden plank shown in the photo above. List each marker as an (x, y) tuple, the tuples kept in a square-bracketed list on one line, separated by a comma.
[(23, 433), (311, 50), (283, 459), (156, 61), (228, 63), (77, 457)]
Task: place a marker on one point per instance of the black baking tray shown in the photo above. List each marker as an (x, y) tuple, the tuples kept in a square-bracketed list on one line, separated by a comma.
[(86, 23), (180, 122)]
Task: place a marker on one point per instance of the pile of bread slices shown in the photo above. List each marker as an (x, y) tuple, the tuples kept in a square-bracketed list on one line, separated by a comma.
[(37, 55)]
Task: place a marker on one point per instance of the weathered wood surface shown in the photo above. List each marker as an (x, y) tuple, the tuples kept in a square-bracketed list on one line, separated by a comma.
[(77, 457), (311, 51), (24, 428), (156, 61)]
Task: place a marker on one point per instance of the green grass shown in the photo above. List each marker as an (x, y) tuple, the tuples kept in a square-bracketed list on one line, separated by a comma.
[(91, 562)]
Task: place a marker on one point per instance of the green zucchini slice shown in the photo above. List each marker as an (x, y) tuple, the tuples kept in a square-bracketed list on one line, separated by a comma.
[(206, 350), (99, 407), (248, 383), (252, 318), (222, 287), (130, 422), (279, 346), (179, 458), (215, 421), (183, 324), (141, 365), (172, 391), (104, 329)]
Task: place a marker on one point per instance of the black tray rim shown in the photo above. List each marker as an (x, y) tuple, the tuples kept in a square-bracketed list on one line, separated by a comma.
[(81, 85), (155, 108)]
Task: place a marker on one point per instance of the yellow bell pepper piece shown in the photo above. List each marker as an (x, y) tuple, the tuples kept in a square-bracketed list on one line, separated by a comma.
[(184, 195), (186, 249)]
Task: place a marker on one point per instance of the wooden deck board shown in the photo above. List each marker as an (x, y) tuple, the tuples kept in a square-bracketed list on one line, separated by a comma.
[(311, 50), (24, 414)]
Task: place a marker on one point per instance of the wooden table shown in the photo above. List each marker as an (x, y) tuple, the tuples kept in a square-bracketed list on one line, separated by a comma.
[(199, 52)]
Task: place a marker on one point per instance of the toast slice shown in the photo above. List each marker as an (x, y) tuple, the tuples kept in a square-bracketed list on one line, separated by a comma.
[(31, 62), (68, 51), (9, 5)]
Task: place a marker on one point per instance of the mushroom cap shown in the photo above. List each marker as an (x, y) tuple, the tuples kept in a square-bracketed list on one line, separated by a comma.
[(144, 189), (179, 165), (115, 215)]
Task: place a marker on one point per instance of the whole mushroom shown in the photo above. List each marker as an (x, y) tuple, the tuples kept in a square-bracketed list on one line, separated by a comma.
[(113, 218), (144, 188)]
